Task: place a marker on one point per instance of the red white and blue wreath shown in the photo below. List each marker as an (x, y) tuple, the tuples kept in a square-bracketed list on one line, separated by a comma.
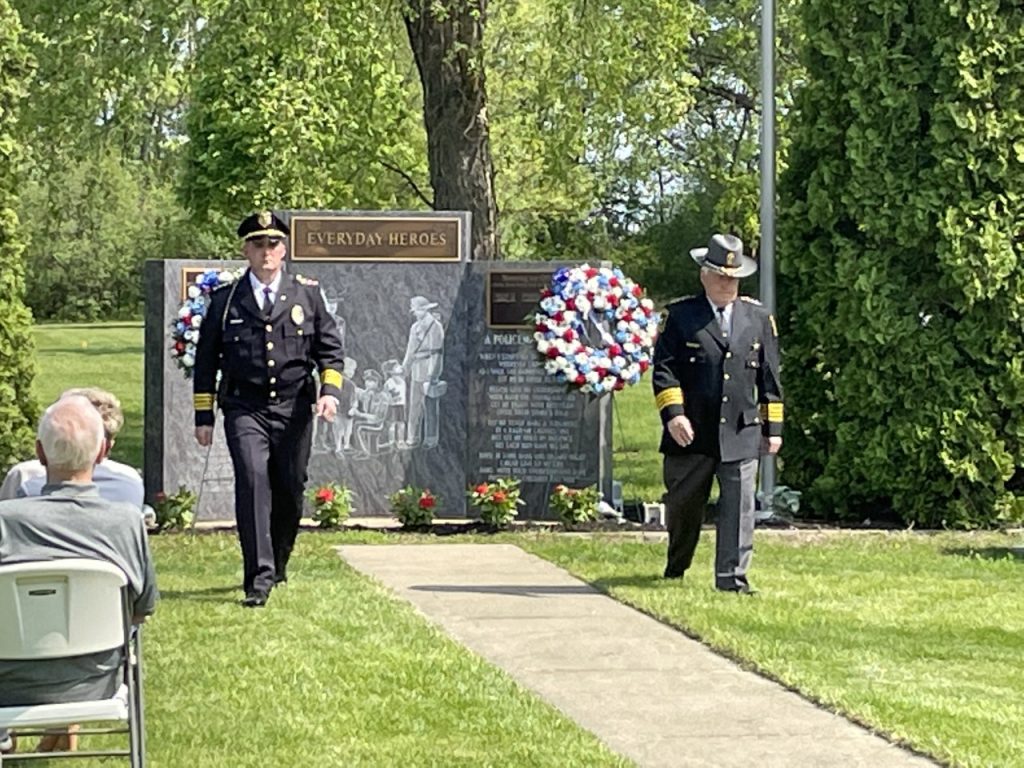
[(185, 327), (595, 330)]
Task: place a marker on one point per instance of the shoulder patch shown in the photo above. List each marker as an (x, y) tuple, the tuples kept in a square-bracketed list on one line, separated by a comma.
[(678, 300), (750, 300), (306, 280)]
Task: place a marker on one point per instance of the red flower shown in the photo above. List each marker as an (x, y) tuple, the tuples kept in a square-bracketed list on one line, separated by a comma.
[(613, 300), (569, 335), (591, 273), (620, 385), (570, 303), (580, 378), (558, 317), (644, 365), (638, 291), (613, 281), (325, 496), (553, 352), (545, 292), (540, 327), (427, 501), (179, 347), (499, 497), (481, 489), (614, 350)]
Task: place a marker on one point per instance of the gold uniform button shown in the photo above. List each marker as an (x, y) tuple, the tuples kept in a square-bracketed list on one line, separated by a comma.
[(693, 359), (299, 331), (273, 393), (725, 398), (269, 327), (270, 345), (273, 380), (728, 355), (727, 377), (723, 419), (271, 363)]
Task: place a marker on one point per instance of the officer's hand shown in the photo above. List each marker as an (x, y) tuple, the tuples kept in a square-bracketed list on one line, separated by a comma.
[(681, 430), (771, 445), (204, 436), (327, 407)]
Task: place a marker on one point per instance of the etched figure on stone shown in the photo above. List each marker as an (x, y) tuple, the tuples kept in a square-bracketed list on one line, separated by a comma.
[(372, 405), (394, 388), (422, 364)]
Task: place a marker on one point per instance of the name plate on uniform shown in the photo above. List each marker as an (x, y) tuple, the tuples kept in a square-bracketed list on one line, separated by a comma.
[(513, 295), (376, 238)]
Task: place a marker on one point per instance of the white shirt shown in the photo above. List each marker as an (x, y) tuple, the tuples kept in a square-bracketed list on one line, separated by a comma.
[(114, 481), (726, 322), (257, 288)]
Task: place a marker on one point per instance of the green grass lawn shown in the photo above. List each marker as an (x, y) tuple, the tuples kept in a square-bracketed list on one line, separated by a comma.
[(108, 355), (919, 636)]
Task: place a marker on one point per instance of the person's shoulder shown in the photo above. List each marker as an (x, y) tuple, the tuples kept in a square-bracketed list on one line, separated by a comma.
[(755, 305), (683, 305), (307, 282), (116, 468)]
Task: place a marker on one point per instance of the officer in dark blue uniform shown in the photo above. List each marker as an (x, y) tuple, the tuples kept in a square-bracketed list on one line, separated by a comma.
[(266, 334), (716, 383)]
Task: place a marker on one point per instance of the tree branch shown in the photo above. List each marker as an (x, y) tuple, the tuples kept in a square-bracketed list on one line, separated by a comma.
[(408, 180)]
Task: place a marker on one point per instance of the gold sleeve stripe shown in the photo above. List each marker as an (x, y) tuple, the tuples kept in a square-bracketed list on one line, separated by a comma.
[(331, 377), (667, 397), (202, 401), (775, 328), (774, 411)]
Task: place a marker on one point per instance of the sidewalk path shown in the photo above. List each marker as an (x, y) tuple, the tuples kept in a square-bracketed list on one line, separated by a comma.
[(647, 691)]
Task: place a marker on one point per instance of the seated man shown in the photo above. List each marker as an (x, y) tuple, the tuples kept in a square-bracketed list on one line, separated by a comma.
[(114, 480), (70, 519)]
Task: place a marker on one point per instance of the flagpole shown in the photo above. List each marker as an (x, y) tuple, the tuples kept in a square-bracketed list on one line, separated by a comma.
[(766, 256)]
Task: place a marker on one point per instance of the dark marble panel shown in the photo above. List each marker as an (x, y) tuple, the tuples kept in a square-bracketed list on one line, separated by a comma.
[(523, 423)]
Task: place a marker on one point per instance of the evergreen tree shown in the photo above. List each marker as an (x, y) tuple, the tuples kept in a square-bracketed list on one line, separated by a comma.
[(17, 360)]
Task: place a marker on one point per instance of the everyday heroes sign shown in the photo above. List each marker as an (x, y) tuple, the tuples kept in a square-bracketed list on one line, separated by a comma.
[(442, 387)]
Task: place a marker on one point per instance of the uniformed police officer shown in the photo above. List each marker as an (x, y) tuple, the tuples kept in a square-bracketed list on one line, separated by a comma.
[(716, 383), (265, 334)]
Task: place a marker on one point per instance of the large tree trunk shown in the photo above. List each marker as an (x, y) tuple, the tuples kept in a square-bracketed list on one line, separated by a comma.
[(448, 51)]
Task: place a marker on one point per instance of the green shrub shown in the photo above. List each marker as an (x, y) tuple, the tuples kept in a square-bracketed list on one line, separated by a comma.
[(413, 506), (176, 511), (900, 263), (575, 505), (17, 353), (332, 504), (497, 501)]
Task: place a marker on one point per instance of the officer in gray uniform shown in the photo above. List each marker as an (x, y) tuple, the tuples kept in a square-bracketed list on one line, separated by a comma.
[(716, 383), (266, 334)]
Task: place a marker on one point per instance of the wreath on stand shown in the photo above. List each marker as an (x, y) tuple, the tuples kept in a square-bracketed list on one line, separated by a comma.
[(595, 330), (185, 327)]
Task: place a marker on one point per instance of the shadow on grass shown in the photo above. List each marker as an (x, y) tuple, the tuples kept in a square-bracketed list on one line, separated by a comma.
[(641, 580), (517, 590), (988, 553), (210, 594)]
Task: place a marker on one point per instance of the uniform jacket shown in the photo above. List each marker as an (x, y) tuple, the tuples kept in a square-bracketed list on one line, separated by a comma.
[(728, 387), (265, 360)]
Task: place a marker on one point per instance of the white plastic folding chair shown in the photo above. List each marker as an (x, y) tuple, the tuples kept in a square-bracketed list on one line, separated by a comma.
[(63, 608)]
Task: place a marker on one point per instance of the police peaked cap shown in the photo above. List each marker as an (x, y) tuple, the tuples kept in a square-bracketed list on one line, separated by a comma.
[(262, 224)]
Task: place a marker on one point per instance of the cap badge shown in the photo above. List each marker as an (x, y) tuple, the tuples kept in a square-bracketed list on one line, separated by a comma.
[(298, 315), (264, 218), (730, 258)]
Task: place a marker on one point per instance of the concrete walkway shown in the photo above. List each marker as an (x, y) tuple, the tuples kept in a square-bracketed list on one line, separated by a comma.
[(647, 691)]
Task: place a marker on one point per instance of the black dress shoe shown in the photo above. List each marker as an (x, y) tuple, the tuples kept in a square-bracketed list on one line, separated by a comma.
[(283, 579), (255, 600), (673, 574)]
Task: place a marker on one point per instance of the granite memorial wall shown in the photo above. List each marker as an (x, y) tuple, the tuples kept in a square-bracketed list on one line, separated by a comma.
[(474, 404)]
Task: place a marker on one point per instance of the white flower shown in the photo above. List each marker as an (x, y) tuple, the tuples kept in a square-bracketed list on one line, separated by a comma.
[(197, 320), (184, 311), (543, 345), (188, 360), (552, 366), (593, 376), (570, 316), (629, 348), (552, 304), (647, 304), (190, 335), (194, 291), (580, 359), (619, 361), (600, 302), (226, 277), (582, 304)]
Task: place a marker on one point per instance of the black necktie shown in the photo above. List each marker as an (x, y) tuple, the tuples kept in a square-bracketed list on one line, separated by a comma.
[(722, 321), (268, 302)]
